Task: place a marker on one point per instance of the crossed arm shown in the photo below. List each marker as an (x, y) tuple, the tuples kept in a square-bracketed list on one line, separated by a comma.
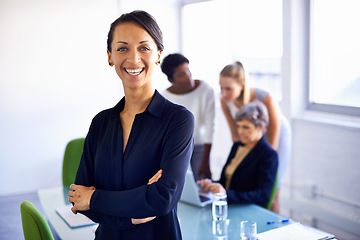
[(80, 196)]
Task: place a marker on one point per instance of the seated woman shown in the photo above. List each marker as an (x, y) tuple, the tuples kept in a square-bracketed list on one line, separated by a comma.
[(250, 170)]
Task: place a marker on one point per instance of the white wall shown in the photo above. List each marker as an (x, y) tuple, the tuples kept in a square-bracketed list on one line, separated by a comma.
[(322, 187), (54, 77)]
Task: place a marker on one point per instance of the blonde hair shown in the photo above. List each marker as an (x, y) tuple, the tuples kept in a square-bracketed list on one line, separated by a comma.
[(237, 71)]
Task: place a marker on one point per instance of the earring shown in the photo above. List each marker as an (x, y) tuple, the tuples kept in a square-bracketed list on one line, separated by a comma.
[(110, 64), (158, 62)]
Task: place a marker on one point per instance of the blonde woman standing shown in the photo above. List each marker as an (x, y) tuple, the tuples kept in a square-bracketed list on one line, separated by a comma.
[(236, 93)]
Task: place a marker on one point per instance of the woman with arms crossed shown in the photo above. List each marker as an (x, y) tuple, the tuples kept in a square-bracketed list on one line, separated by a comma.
[(143, 137), (250, 170), (235, 94)]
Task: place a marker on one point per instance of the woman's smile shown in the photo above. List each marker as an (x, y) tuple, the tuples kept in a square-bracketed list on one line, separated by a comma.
[(134, 71)]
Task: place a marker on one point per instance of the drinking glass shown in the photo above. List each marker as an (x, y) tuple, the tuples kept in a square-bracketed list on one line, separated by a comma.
[(248, 230), (220, 229), (219, 207)]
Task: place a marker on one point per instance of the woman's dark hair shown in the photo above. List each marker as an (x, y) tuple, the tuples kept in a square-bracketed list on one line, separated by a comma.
[(171, 62), (145, 20), (255, 112)]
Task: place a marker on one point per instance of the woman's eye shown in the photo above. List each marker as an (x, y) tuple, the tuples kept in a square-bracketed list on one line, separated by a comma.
[(121, 49), (144, 48)]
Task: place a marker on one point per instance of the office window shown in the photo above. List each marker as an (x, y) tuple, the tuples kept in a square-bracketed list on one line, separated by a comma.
[(335, 56), (216, 33)]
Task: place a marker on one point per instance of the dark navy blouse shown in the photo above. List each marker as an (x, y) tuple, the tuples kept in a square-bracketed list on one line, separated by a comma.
[(161, 138), (253, 179)]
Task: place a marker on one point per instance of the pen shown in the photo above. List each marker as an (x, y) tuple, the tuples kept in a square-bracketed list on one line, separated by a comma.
[(279, 221)]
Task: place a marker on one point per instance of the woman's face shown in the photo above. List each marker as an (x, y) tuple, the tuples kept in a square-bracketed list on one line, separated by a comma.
[(249, 134), (182, 76), (230, 88), (134, 55)]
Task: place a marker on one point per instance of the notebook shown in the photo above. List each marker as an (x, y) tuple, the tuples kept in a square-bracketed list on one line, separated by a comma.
[(193, 194), (71, 219), (295, 231)]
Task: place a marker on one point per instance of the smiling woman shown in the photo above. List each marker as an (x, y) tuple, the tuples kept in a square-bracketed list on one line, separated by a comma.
[(136, 154), (134, 55)]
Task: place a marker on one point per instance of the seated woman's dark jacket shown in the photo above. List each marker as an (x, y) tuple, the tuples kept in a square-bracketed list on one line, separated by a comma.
[(254, 178)]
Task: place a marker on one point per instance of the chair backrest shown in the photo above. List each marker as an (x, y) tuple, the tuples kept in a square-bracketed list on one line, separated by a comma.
[(34, 224), (273, 194), (72, 156)]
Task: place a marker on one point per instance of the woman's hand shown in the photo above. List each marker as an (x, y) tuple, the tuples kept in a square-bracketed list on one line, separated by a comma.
[(136, 221), (80, 196), (156, 177), (152, 180), (208, 185)]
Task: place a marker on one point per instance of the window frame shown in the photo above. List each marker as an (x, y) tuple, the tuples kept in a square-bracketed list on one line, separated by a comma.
[(313, 106)]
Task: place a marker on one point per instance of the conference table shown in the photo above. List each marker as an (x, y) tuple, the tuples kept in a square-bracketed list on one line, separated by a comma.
[(195, 222)]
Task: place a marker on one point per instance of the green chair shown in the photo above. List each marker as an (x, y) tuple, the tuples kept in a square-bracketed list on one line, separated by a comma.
[(272, 195), (72, 156), (34, 224)]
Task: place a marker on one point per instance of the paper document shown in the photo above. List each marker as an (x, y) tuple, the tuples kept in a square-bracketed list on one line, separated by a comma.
[(295, 231), (71, 219)]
